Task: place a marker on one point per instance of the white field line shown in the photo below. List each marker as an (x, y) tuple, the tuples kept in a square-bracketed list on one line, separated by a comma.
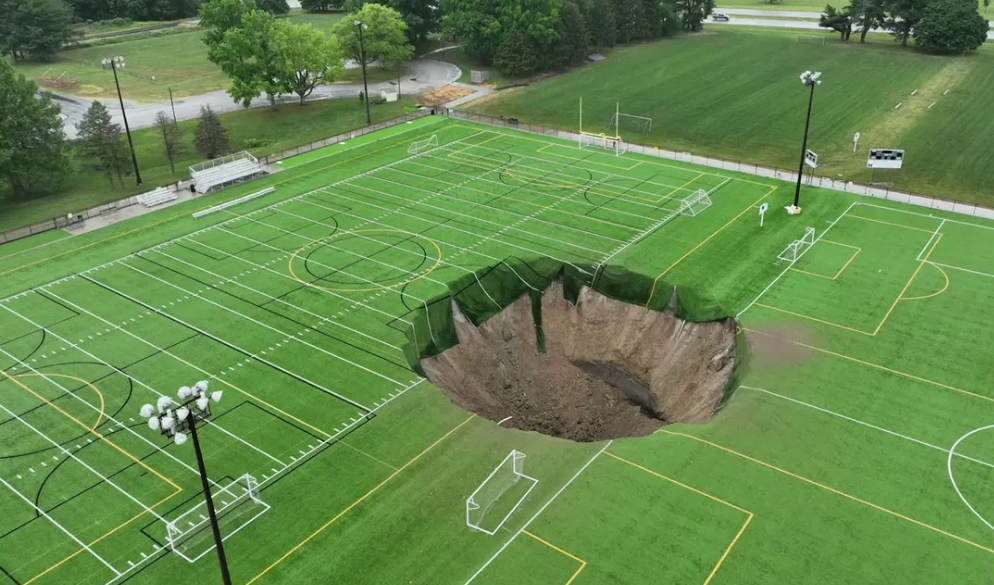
[(608, 189), (568, 145), (537, 514), (791, 264), (651, 229), (606, 173), (229, 344), (72, 455), (952, 477), (525, 188), (60, 527), (438, 226), (488, 209), (423, 274), (126, 375), (226, 280), (961, 269), (929, 215), (499, 226), (266, 507), (275, 330), (257, 211), (935, 234), (866, 424)]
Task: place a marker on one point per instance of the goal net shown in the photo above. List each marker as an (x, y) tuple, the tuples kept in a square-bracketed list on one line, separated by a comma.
[(811, 39), (615, 143), (797, 248), (695, 203), (493, 502), (419, 146), (236, 504), (640, 124)]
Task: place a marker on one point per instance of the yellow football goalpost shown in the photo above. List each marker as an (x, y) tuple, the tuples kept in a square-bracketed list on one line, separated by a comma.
[(600, 139)]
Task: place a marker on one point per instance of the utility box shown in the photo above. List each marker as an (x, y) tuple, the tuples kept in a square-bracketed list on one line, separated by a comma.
[(479, 76)]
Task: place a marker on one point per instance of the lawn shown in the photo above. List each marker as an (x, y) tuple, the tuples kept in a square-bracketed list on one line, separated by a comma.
[(829, 464), (260, 131), (177, 61), (735, 94)]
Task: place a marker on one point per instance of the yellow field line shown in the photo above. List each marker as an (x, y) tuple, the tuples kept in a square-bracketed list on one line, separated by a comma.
[(908, 284), (100, 414), (706, 240), (829, 489), (841, 270), (728, 550), (357, 502), (935, 294), (583, 563), (900, 225), (681, 187), (92, 431), (815, 319), (872, 365)]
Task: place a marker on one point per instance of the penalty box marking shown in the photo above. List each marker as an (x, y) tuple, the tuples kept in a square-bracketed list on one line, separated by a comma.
[(841, 270)]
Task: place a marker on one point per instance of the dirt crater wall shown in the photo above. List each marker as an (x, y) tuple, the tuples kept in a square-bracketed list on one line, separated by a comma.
[(610, 369)]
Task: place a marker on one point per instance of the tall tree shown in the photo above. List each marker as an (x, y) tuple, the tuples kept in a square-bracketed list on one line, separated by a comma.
[(34, 28), (384, 35), (600, 23), (217, 17), (423, 18), (321, 5), (951, 27), (32, 144), (477, 25), (628, 17), (573, 47), (101, 145), (837, 19), (170, 137), (516, 55), (307, 57), (903, 17), (693, 13), (274, 7), (248, 54), (868, 14), (210, 137)]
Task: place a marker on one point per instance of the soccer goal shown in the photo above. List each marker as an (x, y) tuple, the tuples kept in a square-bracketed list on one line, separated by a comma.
[(796, 249), (615, 143), (811, 39), (695, 203), (419, 146), (640, 124), (504, 490), (236, 504)]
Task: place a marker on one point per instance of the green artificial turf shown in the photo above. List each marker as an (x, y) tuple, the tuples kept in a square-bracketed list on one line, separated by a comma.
[(863, 362)]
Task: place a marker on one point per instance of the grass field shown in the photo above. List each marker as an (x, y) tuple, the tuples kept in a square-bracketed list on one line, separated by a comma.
[(260, 131), (828, 465), (724, 94), (177, 61)]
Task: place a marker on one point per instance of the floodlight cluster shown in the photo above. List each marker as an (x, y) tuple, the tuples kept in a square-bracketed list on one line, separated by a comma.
[(811, 78), (172, 419)]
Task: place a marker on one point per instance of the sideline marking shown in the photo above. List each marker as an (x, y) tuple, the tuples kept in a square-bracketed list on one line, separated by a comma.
[(935, 294), (706, 240), (357, 502), (735, 540), (830, 489), (583, 563), (841, 270)]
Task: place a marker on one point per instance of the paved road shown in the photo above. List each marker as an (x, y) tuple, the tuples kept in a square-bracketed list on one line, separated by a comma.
[(419, 75), (794, 24), (769, 13)]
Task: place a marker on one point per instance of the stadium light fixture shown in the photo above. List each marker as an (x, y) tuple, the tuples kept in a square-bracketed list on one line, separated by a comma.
[(178, 421), (360, 26), (810, 79), (115, 63)]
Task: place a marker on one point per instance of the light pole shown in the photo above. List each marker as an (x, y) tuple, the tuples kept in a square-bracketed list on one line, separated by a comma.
[(362, 59), (809, 79), (115, 63), (175, 420)]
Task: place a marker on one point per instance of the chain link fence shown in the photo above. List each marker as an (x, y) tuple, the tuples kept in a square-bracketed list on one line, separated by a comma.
[(69, 220), (746, 168)]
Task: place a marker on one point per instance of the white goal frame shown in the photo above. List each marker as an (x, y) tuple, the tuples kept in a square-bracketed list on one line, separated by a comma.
[(419, 146), (614, 143), (643, 123), (516, 459), (812, 39), (793, 252), (695, 203), (239, 491)]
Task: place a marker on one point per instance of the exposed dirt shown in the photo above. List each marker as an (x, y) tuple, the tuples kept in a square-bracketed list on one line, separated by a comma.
[(442, 95), (611, 369)]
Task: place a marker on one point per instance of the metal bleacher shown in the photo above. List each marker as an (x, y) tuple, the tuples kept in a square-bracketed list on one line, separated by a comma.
[(222, 172), (157, 197)]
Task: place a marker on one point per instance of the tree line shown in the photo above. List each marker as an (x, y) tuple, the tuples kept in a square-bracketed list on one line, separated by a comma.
[(938, 26)]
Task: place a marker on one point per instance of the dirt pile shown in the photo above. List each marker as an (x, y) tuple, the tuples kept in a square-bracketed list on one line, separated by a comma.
[(610, 370)]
